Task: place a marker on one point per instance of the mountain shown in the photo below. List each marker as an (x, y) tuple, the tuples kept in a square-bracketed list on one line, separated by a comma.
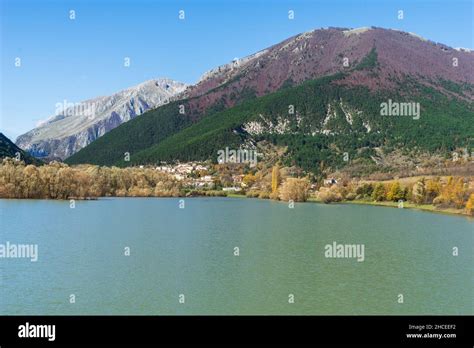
[(329, 121), (322, 52), (76, 125), (337, 106), (9, 149)]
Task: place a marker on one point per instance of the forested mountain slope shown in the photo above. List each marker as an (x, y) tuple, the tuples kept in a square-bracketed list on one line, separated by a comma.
[(319, 109)]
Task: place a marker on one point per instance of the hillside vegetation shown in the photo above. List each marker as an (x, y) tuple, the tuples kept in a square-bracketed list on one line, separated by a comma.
[(329, 120)]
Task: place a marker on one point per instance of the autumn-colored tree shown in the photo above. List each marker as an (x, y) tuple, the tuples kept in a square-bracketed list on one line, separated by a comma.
[(33, 183), (379, 193), (275, 178), (294, 189), (419, 191), (59, 181), (433, 188), (453, 194), (395, 193), (167, 189), (249, 179), (470, 205), (459, 193)]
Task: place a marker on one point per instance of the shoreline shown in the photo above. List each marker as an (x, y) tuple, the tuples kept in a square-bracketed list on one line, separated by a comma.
[(407, 205)]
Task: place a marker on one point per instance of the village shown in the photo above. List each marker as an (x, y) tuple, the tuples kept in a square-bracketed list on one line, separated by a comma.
[(202, 176), (232, 178)]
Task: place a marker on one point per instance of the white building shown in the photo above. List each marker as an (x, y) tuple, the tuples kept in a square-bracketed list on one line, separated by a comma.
[(231, 189)]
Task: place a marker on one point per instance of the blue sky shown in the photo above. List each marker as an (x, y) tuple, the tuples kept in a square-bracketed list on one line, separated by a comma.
[(83, 58)]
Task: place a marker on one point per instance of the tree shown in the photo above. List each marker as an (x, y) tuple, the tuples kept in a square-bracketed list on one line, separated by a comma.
[(459, 193), (275, 178), (365, 190), (379, 193), (294, 189), (453, 194), (59, 181), (419, 191), (433, 188), (32, 182), (470, 205), (249, 179), (395, 193)]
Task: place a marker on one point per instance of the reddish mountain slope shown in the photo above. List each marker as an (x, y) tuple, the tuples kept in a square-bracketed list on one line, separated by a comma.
[(322, 52)]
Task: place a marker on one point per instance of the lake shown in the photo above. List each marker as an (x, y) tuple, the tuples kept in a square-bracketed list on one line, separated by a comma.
[(149, 256)]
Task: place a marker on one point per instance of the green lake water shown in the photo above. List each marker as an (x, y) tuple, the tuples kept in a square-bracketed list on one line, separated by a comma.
[(190, 251)]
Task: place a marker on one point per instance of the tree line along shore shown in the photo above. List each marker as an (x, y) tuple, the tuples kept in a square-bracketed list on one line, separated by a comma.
[(454, 194)]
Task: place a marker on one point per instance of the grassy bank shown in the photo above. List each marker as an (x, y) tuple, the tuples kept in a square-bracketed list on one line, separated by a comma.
[(236, 195), (406, 205)]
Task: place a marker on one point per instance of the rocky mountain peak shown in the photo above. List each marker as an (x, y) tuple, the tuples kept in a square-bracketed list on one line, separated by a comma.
[(75, 125)]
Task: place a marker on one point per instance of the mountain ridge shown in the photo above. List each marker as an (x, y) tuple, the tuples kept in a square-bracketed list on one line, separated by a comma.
[(324, 50), (398, 65), (75, 125)]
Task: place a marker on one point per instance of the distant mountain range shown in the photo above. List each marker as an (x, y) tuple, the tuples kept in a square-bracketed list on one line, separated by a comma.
[(75, 125), (335, 81)]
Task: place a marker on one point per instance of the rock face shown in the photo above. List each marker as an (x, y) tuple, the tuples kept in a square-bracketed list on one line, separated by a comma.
[(76, 125)]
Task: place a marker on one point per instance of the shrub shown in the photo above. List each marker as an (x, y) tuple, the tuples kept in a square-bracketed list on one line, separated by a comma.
[(351, 196), (328, 196), (252, 194), (275, 195)]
